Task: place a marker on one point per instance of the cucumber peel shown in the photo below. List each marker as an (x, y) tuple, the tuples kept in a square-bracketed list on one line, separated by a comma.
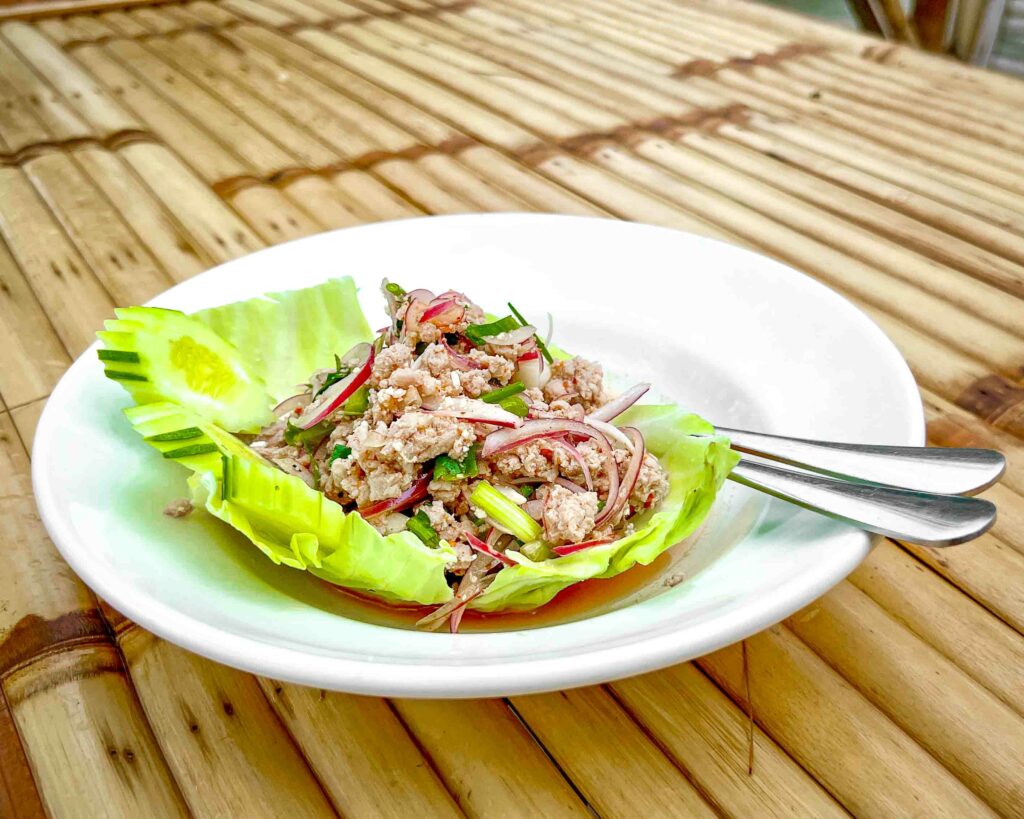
[(160, 354)]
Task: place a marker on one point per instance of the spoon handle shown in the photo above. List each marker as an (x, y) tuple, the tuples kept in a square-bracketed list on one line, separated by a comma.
[(926, 469), (917, 517)]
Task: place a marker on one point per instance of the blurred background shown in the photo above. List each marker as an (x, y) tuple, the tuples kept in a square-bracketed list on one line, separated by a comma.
[(988, 33)]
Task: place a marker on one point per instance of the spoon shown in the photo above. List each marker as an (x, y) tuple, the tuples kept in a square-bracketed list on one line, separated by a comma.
[(905, 514)]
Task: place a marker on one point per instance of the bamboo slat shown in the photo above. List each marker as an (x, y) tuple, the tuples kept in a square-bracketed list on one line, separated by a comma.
[(67, 289), (35, 357), (824, 723), (710, 738), (229, 752), (487, 760), (570, 724), (139, 146), (920, 690), (945, 618), (349, 741)]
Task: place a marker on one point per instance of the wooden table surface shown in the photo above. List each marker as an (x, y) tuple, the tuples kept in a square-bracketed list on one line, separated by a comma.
[(141, 146)]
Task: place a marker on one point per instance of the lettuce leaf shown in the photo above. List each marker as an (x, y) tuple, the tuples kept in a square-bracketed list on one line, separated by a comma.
[(285, 336), (288, 521), (697, 467)]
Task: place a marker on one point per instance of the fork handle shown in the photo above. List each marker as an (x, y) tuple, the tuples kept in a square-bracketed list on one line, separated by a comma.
[(927, 469), (917, 517)]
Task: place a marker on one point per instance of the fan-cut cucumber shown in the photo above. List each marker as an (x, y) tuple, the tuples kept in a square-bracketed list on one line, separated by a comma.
[(163, 354)]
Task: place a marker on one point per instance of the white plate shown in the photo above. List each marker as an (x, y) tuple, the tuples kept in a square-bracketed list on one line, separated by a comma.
[(739, 338)]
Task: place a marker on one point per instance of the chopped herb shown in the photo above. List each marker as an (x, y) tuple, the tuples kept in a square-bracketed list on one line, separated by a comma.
[(337, 361), (600, 505), (478, 332), (358, 403), (118, 355), (395, 289), (527, 491), (516, 405), (500, 394), (339, 451), (419, 525), (448, 469), (310, 438), (225, 489), (540, 344)]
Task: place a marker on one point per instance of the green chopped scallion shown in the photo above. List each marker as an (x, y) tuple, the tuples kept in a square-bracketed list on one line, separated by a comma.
[(339, 451), (540, 344), (419, 525), (500, 394)]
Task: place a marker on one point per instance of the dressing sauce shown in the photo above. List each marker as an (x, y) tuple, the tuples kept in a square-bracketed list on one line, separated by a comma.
[(576, 602)]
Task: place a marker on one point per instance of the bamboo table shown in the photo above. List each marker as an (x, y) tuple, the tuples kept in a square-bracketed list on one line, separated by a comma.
[(139, 146)]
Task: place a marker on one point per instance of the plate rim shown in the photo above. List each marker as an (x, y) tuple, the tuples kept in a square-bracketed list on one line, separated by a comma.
[(518, 676)]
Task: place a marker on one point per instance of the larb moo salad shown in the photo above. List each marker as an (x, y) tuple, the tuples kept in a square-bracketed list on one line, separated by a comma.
[(453, 458)]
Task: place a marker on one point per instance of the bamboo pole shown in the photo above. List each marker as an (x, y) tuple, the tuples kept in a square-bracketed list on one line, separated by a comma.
[(893, 255), (302, 12), (921, 691), (867, 283), (560, 73), (826, 724), (90, 101), (321, 200), (333, 85), (296, 139), (949, 220), (117, 257), (709, 737), (55, 29), (83, 733), (571, 724), (261, 13), (482, 193), (66, 288), (33, 113), (538, 191), (210, 13), (726, 27), (211, 159), (435, 99), (122, 23), (370, 198), (986, 569), (420, 187), (205, 219), (19, 796), (270, 213), (361, 753), (501, 767), (26, 417), (86, 27), (227, 749), (905, 105), (34, 358), (173, 250), (937, 612), (536, 107), (203, 109)]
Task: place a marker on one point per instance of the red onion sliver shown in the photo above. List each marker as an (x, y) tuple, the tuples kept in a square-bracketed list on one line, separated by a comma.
[(463, 362), (629, 478), (534, 430), (619, 405), (570, 548), (289, 404), (611, 432), (577, 456), (572, 487), (336, 395), (443, 313), (413, 495), (480, 546)]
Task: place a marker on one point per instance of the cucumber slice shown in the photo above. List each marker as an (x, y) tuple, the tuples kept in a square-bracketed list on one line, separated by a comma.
[(163, 354)]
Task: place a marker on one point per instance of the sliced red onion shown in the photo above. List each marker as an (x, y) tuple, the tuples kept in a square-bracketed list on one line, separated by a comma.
[(336, 394), (611, 432), (443, 313), (420, 295), (572, 487), (534, 508), (534, 430), (614, 408), (570, 548), (463, 362), (289, 405), (410, 497), (480, 546), (629, 478), (532, 370), (577, 456), (510, 337)]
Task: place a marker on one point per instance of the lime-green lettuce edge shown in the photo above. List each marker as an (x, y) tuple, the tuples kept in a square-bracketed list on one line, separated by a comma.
[(288, 521)]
